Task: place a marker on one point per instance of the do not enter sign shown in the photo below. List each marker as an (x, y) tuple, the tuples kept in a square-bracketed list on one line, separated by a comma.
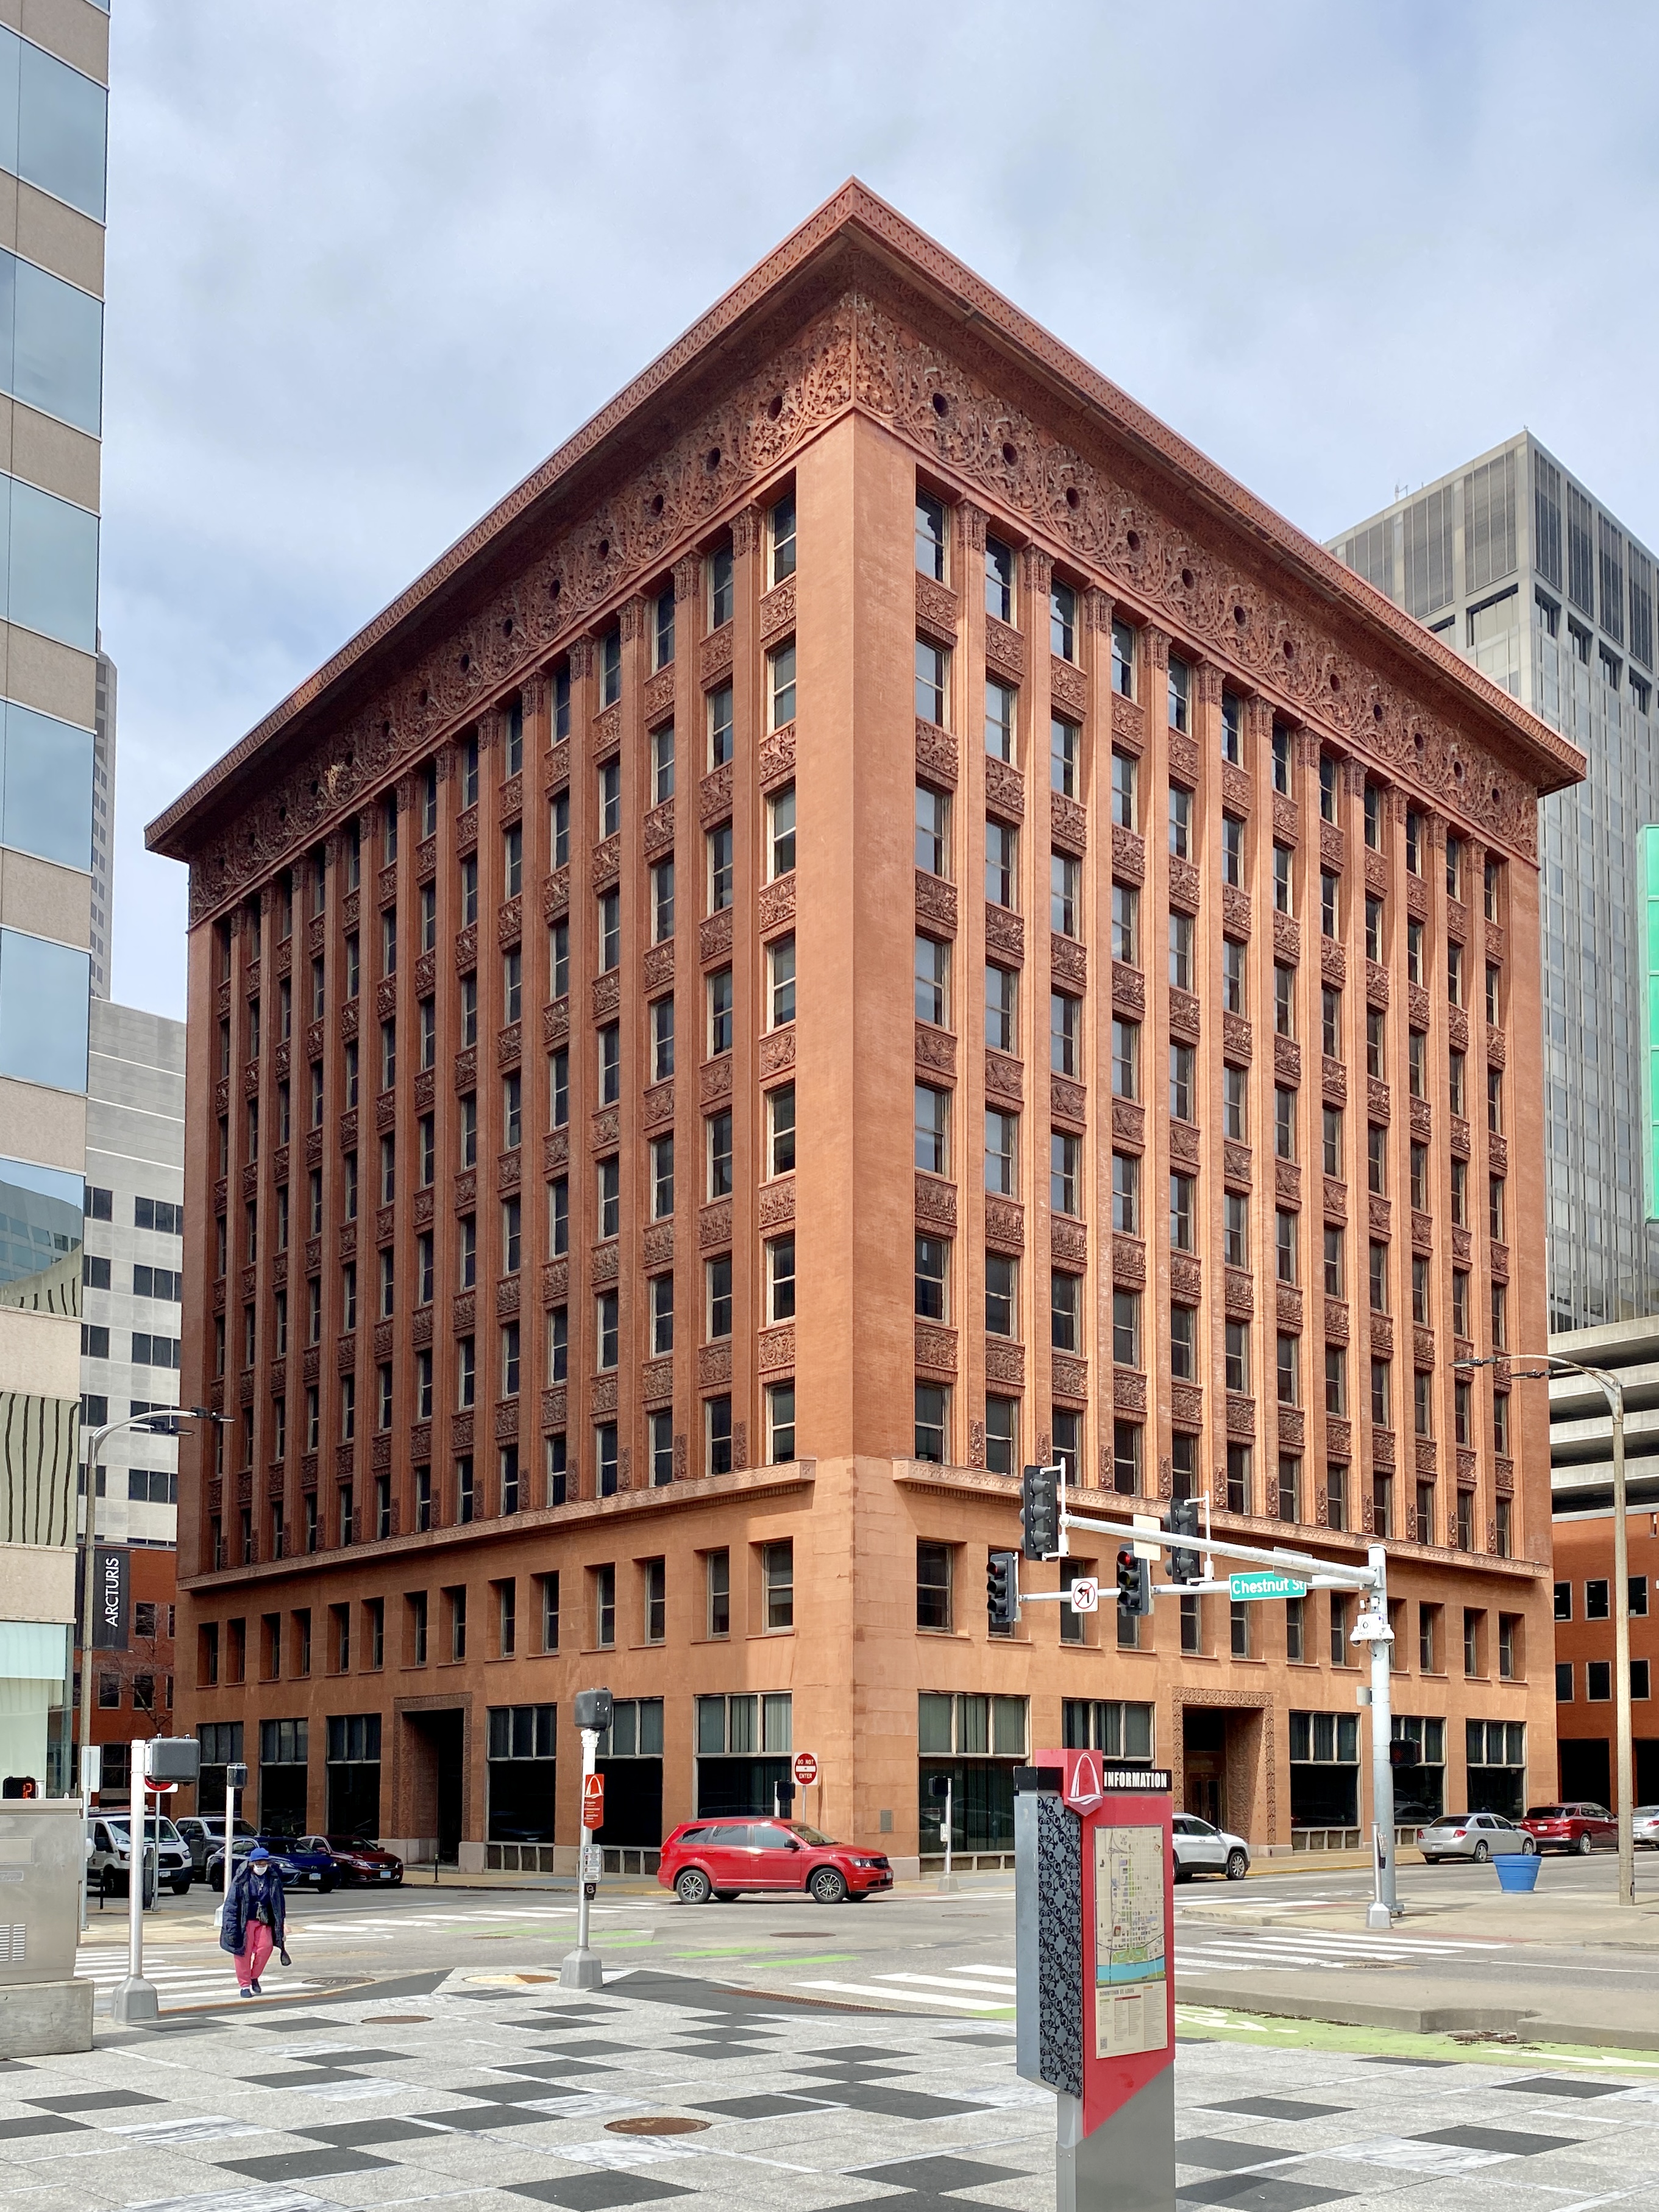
[(806, 1769), (592, 1801)]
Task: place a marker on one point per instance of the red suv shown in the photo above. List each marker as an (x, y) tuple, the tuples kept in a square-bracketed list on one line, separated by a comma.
[(717, 1859), (1578, 1828)]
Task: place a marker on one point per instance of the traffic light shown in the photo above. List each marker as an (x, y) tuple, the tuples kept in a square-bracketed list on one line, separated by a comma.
[(1002, 1588), (1039, 1512), (20, 1786), (1404, 1754), (1184, 1566), (1134, 1583)]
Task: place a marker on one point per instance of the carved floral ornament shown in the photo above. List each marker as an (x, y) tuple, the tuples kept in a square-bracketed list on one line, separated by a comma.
[(855, 353)]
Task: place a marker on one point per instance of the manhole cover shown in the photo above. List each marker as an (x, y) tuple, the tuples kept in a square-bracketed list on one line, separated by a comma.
[(793, 1935), (656, 2124), (397, 2019)]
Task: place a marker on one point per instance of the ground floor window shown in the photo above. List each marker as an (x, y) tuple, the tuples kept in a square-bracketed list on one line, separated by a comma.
[(1496, 1755), (1116, 1729), (1324, 1770), (744, 1745), (1419, 1771), (354, 1776), (283, 1753), (521, 1774), (976, 1742), (631, 1760), (221, 1746)]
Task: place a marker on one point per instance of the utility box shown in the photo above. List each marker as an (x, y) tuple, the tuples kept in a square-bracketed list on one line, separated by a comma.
[(42, 2006)]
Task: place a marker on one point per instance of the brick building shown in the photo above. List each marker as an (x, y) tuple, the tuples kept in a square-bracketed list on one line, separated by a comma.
[(878, 918)]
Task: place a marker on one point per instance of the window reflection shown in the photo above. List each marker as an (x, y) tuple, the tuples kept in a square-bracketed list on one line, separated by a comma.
[(51, 343), (51, 125), (46, 785), (44, 992)]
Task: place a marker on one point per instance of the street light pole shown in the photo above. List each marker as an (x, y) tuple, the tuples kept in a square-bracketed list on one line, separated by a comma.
[(96, 1439), (1623, 1755)]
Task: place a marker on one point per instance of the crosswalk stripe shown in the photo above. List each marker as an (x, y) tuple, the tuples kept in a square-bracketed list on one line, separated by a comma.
[(1004, 1973), (891, 1995), (939, 1980)]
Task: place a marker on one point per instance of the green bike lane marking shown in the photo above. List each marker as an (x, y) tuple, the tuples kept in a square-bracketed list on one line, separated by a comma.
[(1204, 2023)]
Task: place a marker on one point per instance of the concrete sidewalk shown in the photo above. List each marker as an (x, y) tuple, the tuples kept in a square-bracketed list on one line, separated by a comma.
[(1564, 1923), (1417, 2004)]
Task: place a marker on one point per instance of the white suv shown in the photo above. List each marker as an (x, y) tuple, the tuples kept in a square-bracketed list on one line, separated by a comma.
[(1200, 1849)]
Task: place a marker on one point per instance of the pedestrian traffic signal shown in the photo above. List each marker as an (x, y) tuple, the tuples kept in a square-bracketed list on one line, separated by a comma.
[(20, 1786), (1002, 1588), (1039, 1512), (1185, 1567), (1403, 1753), (1134, 1583)]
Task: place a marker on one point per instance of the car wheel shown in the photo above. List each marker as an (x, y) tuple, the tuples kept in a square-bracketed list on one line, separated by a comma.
[(180, 1889), (828, 1886), (693, 1886), (724, 1896), (1238, 1866), (1181, 1873), (1581, 1846), (1529, 1849), (1430, 1858), (326, 1882), (1480, 1854)]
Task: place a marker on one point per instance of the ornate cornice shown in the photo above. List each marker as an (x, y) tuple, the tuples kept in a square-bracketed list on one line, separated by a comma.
[(630, 493)]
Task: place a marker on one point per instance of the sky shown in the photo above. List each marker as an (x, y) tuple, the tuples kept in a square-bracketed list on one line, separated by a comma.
[(371, 260)]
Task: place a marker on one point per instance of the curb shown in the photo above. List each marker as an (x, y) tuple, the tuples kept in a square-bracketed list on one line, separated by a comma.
[(1420, 2020)]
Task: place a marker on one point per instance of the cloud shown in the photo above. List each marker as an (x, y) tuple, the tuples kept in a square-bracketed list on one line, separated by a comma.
[(369, 264)]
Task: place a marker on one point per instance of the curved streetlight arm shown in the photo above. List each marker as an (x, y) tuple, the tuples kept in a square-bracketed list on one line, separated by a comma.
[(96, 1439), (1624, 1750)]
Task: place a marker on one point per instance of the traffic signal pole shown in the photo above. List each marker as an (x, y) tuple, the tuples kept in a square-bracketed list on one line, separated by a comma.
[(1372, 1628)]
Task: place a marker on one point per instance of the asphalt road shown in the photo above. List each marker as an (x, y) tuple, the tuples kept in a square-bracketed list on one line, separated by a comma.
[(915, 1950)]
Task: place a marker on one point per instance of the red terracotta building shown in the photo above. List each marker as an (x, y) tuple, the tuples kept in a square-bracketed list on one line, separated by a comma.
[(878, 919)]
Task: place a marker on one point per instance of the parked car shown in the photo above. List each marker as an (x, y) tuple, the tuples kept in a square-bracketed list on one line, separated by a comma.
[(1479, 1836), (1200, 1849), (1576, 1828), (109, 1866), (298, 1859), (1645, 1823), (357, 1859), (720, 1859), (202, 1833)]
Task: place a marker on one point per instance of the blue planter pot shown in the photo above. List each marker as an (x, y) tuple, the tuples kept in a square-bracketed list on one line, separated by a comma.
[(1517, 1870)]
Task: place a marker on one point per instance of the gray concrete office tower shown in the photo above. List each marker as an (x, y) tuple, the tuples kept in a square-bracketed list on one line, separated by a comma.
[(53, 72), (130, 1270), (1520, 568)]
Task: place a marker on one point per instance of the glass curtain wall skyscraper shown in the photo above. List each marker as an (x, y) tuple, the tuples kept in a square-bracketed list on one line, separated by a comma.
[(1515, 563), (53, 135)]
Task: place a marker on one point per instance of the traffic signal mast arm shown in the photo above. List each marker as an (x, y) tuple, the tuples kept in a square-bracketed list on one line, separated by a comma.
[(1318, 1574)]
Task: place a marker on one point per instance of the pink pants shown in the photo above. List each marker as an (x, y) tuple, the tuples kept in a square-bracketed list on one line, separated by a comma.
[(255, 1954)]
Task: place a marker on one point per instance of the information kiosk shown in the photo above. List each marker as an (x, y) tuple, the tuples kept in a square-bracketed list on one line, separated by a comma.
[(1095, 1973)]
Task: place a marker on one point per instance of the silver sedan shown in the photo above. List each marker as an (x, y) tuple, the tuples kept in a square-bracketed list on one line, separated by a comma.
[(1478, 1835), (1645, 1826)]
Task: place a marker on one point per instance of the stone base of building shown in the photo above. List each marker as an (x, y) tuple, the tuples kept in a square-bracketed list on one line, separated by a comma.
[(39, 2019)]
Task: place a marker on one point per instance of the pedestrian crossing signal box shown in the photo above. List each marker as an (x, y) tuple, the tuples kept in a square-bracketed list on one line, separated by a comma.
[(1094, 1907)]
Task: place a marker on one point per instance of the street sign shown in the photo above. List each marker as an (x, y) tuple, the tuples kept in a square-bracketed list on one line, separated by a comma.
[(593, 1861), (161, 1789), (1263, 1582), (1085, 1594), (592, 1801), (806, 1769)]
